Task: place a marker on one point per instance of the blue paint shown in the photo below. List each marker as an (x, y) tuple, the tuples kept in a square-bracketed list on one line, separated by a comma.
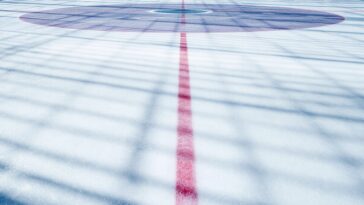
[(167, 18), (180, 11)]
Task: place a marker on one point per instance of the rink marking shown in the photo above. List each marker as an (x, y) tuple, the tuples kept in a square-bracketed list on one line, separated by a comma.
[(186, 193), (201, 18)]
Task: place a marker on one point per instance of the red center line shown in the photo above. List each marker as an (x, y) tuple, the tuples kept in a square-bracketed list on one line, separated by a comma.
[(186, 193)]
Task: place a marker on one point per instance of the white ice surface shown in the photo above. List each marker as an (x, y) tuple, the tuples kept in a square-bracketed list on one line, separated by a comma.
[(89, 117)]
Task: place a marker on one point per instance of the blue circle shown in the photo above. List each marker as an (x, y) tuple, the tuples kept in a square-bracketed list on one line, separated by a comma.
[(174, 18), (180, 11)]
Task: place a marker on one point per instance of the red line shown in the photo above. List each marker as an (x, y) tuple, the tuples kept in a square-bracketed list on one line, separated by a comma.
[(186, 193)]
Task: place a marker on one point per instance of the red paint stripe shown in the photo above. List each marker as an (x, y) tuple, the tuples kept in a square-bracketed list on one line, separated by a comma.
[(186, 193)]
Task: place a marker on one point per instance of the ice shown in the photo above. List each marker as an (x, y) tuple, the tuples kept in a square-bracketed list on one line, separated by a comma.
[(90, 117)]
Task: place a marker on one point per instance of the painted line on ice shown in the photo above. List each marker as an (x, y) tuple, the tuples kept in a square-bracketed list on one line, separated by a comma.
[(186, 192)]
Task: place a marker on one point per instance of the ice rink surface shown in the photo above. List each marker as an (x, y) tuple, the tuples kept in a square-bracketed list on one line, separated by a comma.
[(93, 117)]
